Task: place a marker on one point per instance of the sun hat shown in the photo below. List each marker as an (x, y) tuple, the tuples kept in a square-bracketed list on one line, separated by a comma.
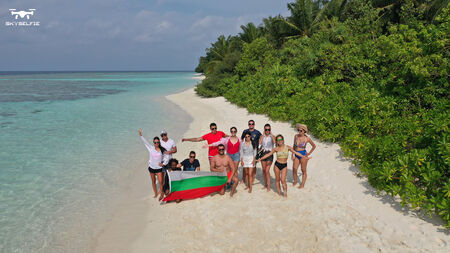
[(301, 126), (163, 132)]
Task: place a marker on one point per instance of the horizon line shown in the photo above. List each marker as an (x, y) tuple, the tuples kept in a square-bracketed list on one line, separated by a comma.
[(3, 71)]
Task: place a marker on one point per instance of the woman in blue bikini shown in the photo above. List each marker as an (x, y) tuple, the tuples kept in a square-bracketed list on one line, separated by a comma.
[(300, 142)]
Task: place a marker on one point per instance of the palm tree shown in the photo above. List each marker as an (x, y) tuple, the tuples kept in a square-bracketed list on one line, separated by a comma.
[(217, 52), (275, 30), (303, 16), (390, 10), (307, 14), (334, 8), (434, 8), (220, 51), (250, 32)]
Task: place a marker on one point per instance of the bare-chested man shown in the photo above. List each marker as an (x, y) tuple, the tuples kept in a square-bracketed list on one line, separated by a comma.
[(221, 163)]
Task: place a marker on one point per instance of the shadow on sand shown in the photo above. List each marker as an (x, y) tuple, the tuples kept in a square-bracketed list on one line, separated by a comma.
[(391, 200), (259, 180)]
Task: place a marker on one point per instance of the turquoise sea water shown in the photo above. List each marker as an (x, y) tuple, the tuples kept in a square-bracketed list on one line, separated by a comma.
[(66, 143)]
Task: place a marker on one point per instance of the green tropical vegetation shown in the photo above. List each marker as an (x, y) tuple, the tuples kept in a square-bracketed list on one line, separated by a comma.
[(369, 74)]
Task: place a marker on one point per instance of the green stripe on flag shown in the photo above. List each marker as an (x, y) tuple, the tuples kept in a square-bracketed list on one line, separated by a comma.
[(197, 182)]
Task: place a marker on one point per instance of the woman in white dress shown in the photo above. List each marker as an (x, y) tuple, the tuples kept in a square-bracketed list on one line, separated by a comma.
[(247, 151)]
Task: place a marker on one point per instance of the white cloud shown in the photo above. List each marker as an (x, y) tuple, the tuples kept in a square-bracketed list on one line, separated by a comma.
[(163, 26), (107, 33), (210, 27), (152, 27)]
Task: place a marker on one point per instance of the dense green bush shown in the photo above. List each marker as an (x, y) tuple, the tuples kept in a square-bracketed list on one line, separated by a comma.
[(378, 87)]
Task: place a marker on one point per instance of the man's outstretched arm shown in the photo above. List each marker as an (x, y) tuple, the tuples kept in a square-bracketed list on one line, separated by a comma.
[(192, 139)]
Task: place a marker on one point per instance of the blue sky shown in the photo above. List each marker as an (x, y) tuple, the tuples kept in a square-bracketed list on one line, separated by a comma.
[(122, 34)]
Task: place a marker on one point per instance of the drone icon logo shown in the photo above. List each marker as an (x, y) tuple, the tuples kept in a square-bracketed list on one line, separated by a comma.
[(19, 18), (22, 14)]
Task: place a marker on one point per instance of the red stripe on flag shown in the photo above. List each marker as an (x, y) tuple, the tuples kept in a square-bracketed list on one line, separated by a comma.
[(193, 193)]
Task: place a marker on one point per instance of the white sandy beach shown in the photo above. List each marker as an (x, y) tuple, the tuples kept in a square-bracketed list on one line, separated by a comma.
[(336, 212), (198, 76)]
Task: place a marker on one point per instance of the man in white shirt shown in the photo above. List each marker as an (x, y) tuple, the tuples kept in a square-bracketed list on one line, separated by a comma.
[(168, 144)]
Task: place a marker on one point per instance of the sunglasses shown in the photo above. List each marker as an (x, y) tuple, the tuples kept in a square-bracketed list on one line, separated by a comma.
[(192, 156), (251, 124), (301, 130), (221, 149), (156, 142), (267, 129), (214, 128), (233, 131)]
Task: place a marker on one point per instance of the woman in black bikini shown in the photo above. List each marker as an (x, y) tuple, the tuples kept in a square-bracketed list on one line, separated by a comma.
[(300, 141), (282, 151)]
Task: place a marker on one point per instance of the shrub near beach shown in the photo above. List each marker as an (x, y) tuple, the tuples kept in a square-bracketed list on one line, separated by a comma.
[(373, 78)]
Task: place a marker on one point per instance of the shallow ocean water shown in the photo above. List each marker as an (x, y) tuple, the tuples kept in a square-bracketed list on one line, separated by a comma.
[(67, 142)]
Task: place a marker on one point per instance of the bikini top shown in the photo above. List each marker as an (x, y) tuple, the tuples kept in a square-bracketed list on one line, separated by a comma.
[(283, 154), (302, 145), (267, 143)]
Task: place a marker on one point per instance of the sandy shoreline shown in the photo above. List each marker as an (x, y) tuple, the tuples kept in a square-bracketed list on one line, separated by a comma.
[(198, 76), (337, 211)]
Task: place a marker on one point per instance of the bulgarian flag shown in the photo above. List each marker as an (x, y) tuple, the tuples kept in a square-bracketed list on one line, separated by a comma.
[(194, 184)]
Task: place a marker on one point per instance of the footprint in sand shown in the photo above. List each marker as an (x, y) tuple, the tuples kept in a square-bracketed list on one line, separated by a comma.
[(441, 242)]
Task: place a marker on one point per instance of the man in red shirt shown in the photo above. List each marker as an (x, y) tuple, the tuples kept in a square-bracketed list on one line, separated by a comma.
[(212, 137)]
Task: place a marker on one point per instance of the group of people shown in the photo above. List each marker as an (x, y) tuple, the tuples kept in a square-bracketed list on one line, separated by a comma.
[(226, 152)]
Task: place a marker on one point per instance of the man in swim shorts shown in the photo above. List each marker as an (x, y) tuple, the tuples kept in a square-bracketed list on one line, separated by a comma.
[(212, 137), (222, 163)]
